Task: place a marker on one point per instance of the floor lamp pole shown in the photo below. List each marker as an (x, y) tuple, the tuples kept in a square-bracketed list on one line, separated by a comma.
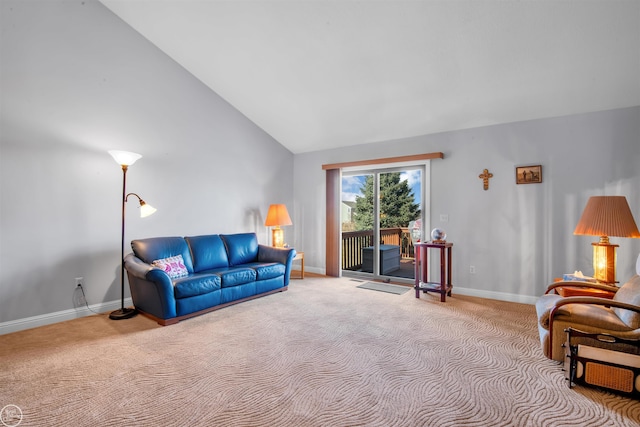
[(123, 313)]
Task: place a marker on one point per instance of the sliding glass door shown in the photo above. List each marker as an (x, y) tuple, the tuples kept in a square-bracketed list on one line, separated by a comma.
[(377, 207)]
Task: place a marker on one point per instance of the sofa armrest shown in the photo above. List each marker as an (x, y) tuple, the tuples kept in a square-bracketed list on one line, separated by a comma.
[(281, 255), (151, 288), (271, 254), (136, 267), (544, 305)]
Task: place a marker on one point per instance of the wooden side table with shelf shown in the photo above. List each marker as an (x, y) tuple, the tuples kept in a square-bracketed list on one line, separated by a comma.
[(422, 269)]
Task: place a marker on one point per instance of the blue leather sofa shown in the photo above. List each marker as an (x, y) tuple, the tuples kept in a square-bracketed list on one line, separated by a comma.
[(217, 271)]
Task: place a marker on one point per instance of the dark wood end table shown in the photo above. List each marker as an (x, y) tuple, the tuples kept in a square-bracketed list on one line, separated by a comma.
[(422, 269)]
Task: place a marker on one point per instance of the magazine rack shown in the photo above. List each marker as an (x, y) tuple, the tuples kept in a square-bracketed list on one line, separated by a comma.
[(615, 368)]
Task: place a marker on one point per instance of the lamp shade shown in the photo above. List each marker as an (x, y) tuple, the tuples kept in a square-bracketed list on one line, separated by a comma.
[(607, 216), (146, 209), (277, 216), (126, 158)]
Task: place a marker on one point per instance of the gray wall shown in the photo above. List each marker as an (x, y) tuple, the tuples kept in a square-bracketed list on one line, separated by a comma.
[(76, 82), (519, 237)]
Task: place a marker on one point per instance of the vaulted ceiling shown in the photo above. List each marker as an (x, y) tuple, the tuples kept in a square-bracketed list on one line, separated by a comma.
[(321, 74)]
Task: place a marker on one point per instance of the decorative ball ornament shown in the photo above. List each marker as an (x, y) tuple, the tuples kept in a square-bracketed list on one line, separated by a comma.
[(438, 235)]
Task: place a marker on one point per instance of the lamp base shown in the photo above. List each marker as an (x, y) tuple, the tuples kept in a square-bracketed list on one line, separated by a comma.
[(277, 237), (604, 262), (123, 313)]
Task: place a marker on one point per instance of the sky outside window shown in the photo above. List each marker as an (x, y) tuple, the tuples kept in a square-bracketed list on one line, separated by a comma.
[(351, 185)]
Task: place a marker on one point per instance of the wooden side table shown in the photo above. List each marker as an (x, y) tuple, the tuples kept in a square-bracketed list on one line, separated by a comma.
[(566, 290), (300, 257), (422, 269), (576, 291)]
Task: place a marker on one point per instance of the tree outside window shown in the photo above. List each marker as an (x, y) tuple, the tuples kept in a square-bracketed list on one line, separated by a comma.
[(397, 203)]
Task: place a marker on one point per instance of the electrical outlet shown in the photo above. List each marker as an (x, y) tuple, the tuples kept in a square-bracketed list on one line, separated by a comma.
[(79, 281), (472, 269)]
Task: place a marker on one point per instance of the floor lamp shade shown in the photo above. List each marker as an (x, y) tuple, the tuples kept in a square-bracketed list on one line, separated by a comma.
[(146, 209), (606, 216), (276, 217), (126, 159)]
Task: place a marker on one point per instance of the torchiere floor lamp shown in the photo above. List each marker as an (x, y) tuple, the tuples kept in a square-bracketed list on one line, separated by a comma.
[(126, 159)]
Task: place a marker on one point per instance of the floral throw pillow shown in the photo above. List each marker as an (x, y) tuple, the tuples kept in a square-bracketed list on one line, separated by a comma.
[(173, 266)]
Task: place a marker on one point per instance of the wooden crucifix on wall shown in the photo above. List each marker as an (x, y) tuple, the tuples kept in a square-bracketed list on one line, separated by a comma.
[(484, 176)]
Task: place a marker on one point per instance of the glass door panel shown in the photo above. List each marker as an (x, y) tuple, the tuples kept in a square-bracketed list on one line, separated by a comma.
[(357, 220), (400, 205), (377, 208)]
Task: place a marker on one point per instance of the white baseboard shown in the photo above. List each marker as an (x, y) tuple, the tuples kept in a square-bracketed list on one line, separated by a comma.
[(60, 316), (500, 296)]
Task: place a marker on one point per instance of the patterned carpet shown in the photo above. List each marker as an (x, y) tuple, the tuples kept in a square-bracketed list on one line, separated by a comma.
[(324, 353)]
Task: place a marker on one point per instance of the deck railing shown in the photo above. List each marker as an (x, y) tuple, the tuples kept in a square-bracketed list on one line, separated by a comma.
[(354, 241)]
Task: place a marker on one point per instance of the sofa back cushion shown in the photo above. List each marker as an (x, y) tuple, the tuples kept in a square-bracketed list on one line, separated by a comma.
[(242, 248), (157, 248), (630, 294), (208, 252)]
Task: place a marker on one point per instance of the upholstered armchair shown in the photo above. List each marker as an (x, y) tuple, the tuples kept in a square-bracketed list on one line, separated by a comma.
[(619, 316)]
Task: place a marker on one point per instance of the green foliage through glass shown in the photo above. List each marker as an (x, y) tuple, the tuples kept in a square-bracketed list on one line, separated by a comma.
[(397, 203)]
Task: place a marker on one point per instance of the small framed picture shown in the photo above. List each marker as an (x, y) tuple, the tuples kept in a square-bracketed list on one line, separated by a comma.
[(529, 174)]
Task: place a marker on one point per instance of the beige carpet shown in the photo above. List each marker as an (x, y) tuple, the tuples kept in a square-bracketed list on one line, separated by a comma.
[(324, 353)]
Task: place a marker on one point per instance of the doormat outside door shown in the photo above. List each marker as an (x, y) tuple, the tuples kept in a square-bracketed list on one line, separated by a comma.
[(384, 287)]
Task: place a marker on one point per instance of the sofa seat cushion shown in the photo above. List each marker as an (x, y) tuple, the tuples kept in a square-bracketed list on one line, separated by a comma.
[(593, 315), (235, 276), (265, 271), (194, 285)]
